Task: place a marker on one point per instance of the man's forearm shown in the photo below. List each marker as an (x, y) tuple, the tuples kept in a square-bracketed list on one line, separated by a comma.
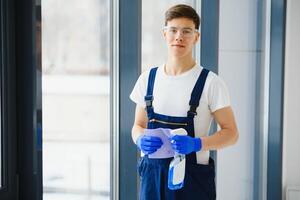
[(219, 140)]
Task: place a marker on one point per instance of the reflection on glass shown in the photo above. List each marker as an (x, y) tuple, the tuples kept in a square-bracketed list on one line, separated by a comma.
[(38, 157), (154, 50), (75, 68)]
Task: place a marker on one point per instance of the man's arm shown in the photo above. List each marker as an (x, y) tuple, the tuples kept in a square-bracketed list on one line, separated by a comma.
[(228, 135), (140, 123)]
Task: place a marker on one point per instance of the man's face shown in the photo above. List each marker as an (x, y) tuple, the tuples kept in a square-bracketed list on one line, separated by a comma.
[(181, 36)]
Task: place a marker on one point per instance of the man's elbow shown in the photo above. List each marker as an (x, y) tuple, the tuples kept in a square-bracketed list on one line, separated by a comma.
[(235, 136)]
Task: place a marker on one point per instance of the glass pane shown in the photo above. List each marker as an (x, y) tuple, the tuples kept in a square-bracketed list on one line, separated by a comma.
[(75, 69), (39, 120), (154, 50)]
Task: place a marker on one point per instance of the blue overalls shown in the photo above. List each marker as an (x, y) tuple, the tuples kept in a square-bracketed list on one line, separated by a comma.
[(199, 183)]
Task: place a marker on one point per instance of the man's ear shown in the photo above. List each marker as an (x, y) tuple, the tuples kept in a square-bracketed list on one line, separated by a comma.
[(164, 34), (197, 37)]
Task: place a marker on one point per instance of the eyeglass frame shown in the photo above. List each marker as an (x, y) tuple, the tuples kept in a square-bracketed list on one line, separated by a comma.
[(167, 29)]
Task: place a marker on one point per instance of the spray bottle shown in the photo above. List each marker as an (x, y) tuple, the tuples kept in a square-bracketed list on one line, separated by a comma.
[(177, 166)]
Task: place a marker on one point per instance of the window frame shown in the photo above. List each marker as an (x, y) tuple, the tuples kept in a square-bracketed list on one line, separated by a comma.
[(276, 99), (129, 62), (8, 189)]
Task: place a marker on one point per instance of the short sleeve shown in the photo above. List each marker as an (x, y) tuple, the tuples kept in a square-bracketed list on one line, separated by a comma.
[(139, 91), (218, 94)]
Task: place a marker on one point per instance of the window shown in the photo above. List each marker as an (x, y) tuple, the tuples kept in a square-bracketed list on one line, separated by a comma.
[(75, 83)]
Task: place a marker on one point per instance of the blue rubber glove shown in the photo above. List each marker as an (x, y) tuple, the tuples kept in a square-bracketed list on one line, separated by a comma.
[(148, 144), (185, 144)]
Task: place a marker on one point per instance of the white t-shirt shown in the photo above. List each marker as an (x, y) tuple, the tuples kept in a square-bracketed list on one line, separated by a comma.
[(172, 95)]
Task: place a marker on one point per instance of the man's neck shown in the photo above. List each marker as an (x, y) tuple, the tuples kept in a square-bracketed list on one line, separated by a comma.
[(178, 66)]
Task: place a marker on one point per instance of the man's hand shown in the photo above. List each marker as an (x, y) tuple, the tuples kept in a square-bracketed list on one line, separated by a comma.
[(185, 144), (148, 144)]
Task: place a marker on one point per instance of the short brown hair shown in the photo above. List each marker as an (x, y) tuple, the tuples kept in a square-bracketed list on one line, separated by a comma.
[(182, 11)]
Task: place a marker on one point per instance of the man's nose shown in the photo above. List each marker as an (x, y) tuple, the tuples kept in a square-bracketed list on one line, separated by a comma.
[(178, 36)]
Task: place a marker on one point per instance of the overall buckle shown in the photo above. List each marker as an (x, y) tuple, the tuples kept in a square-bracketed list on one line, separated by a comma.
[(192, 110), (148, 100)]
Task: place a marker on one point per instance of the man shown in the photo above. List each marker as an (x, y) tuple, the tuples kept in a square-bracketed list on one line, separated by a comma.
[(181, 94)]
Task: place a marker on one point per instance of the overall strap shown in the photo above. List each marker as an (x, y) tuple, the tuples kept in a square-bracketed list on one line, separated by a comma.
[(197, 92), (149, 95)]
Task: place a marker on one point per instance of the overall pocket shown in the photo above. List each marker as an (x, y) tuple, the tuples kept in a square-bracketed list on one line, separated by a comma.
[(202, 177)]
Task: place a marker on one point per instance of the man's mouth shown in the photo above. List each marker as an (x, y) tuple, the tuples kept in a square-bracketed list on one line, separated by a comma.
[(178, 45)]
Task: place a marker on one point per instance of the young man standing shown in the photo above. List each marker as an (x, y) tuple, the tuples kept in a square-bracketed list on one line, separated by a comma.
[(181, 94)]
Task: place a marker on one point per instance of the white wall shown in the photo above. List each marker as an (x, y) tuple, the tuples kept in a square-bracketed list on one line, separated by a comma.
[(237, 66), (291, 139)]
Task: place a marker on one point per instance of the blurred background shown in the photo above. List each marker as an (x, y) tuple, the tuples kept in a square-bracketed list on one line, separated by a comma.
[(76, 99), (67, 69), (76, 76)]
